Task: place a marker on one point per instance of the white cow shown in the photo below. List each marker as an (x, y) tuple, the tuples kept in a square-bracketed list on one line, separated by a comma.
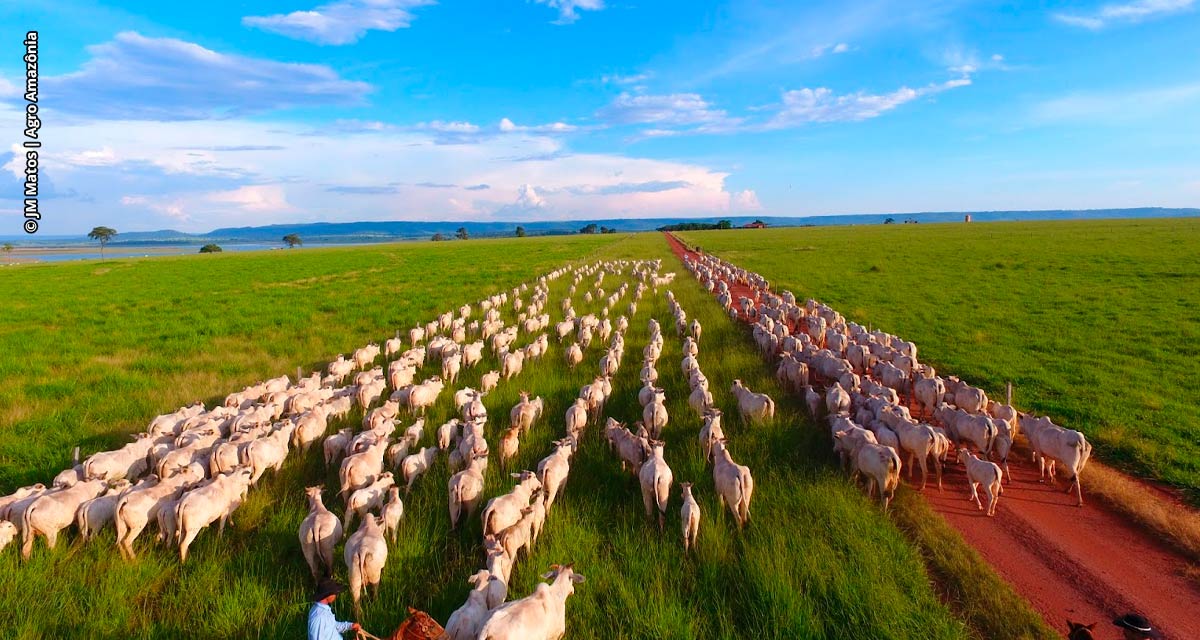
[(735, 485), (54, 511), (365, 555), (467, 620), (753, 406), (982, 472), (214, 502), (368, 498), (465, 488), (689, 515), (656, 478), (554, 469), (319, 534), (1054, 444), (503, 511), (539, 616), (415, 465)]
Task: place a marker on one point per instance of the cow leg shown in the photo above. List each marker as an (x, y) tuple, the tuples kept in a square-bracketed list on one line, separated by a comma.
[(51, 538), (975, 495)]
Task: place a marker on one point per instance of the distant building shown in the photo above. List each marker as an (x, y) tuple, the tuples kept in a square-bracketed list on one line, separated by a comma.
[(967, 218), (757, 224)]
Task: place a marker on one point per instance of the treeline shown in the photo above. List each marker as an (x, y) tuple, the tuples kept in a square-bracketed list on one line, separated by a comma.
[(697, 226)]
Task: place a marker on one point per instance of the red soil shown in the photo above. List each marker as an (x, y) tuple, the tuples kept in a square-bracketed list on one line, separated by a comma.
[(1084, 563)]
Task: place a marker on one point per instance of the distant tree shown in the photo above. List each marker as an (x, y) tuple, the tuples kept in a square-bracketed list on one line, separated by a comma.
[(461, 234), (437, 237), (724, 224), (292, 239), (890, 221), (608, 230), (210, 248), (103, 235), (520, 232), (8, 247), (591, 228)]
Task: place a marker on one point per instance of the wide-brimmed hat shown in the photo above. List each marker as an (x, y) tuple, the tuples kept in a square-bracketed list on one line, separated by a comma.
[(327, 587), (1138, 623)]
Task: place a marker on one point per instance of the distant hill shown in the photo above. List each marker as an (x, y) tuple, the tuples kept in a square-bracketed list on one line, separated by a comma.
[(353, 232)]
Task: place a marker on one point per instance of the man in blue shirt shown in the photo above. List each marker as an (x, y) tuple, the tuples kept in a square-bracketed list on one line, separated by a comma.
[(321, 623)]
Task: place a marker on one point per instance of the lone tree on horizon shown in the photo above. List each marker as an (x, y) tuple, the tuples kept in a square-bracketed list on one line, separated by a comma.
[(520, 232), (437, 237), (210, 248), (8, 247), (292, 239), (461, 234), (103, 235)]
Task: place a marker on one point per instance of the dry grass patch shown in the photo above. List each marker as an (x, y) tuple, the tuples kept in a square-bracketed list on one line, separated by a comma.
[(1166, 517)]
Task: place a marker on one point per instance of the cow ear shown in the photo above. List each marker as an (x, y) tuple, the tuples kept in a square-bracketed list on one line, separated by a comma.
[(578, 578), (515, 475)]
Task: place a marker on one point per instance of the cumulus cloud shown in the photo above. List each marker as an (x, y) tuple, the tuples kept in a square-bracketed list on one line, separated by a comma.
[(1127, 12), (260, 198), (134, 77), (195, 175), (567, 8), (342, 22), (528, 198), (172, 208), (746, 200)]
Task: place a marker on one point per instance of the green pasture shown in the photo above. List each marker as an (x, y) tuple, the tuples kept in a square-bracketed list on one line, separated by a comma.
[(91, 351)]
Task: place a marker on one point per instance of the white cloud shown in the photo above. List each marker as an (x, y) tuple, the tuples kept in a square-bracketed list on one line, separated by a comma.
[(1136, 11), (262, 198), (618, 79), (508, 126), (171, 208), (449, 127), (189, 175), (826, 49), (566, 8), (133, 77), (528, 198), (91, 158), (802, 106), (675, 109), (746, 200), (341, 22)]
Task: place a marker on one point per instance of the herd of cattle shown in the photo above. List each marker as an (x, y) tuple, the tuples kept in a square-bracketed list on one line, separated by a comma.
[(194, 467), (874, 386)]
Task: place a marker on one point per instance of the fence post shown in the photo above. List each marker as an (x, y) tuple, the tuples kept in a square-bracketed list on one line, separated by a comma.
[(298, 376), (1009, 397)]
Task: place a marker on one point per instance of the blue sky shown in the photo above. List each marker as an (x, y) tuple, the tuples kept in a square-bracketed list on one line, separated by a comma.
[(194, 116)]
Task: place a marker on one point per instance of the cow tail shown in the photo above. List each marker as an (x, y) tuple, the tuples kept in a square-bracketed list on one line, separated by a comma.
[(27, 529)]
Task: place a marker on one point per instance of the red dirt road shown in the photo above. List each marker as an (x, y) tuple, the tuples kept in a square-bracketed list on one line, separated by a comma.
[(1086, 563)]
